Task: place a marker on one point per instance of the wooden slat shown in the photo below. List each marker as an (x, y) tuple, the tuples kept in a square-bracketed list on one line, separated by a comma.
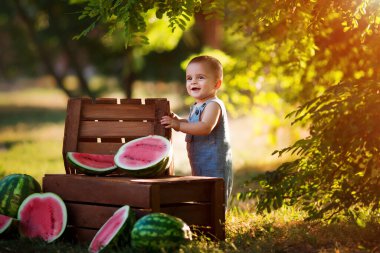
[(218, 210), (101, 190), (110, 129), (183, 192), (191, 213), (135, 101), (71, 133), (88, 216), (134, 112), (161, 108), (105, 101), (94, 216), (99, 148)]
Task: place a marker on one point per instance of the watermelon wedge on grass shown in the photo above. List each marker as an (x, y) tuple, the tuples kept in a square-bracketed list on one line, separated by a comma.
[(7, 225), (115, 231), (92, 164), (42, 215), (143, 157)]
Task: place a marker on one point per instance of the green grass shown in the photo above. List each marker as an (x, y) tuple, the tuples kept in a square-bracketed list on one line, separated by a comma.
[(31, 134)]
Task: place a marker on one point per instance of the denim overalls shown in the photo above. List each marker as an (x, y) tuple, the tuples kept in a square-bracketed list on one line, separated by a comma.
[(210, 155)]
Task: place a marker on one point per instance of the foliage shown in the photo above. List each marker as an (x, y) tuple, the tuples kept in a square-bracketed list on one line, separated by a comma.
[(299, 48), (338, 169), (131, 15), (35, 42)]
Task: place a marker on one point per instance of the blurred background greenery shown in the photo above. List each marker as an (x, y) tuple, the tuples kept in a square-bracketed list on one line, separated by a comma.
[(277, 56)]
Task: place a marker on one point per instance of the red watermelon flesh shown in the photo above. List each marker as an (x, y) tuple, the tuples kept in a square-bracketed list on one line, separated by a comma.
[(42, 215), (5, 222), (147, 156), (117, 227), (92, 164), (145, 151)]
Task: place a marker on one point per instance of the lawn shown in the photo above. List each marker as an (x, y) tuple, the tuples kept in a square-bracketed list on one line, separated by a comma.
[(31, 134)]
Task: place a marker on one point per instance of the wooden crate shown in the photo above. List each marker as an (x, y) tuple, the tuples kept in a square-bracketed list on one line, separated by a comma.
[(90, 201), (101, 126)]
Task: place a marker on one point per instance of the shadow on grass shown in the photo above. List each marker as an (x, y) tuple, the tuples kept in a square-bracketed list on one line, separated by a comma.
[(309, 237), (33, 116)]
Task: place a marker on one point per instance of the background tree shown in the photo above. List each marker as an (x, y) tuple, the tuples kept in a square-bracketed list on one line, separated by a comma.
[(37, 38), (290, 52)]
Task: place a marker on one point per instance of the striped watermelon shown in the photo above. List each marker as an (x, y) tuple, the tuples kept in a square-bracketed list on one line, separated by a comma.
[(92, 164), (115, 231), (14, 189), (146, 157), (159, 232), (42, 215)]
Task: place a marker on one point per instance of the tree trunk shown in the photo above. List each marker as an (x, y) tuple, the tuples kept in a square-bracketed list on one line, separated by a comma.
[(43, 54), (211, 31), (129, 75), (128, 84), (71, 54)]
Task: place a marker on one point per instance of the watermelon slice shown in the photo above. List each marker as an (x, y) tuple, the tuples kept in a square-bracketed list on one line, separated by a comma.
[(42, 215), (117, 229), (5, 223), (145, 157), (92, 164)]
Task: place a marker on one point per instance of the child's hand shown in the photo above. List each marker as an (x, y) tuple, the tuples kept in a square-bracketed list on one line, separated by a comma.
[(171, 122)]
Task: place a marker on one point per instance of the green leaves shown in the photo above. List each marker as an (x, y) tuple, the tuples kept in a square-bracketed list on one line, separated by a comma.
[(132, 15), (338, 166)]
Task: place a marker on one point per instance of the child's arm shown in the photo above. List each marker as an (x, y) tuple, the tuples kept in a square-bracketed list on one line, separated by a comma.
[(209, 119)]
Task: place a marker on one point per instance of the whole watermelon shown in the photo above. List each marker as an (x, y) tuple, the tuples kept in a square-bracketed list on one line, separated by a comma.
[(159, 232), (14, 189)]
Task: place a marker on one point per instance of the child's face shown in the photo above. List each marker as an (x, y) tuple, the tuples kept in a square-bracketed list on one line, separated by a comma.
[(201, 81)]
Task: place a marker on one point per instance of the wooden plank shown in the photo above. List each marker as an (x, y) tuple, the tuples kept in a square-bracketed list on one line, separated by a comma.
[(192, 213), (105, 101), (218, 210), (98, 148), (134, 112), (110, 129), (88, 216), (135, 101), (102, 190), (94, 216), (161, 108), (155, 199), (174, 179), (70, 138), (176, 192)]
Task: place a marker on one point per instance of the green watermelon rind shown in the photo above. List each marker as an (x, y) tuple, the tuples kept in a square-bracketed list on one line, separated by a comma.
[(6, 225), (42, 196), (14, 188), (154, 169), (122, 233), (88, 170), (158, 231)]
